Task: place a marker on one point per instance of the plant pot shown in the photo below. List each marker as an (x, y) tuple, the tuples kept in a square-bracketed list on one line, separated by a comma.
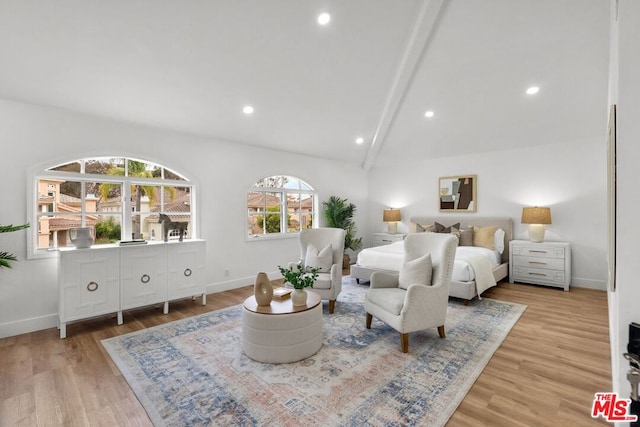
[(346, 261), (299, 297)]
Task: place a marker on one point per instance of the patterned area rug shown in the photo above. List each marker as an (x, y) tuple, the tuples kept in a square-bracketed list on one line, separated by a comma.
[(193, 372)]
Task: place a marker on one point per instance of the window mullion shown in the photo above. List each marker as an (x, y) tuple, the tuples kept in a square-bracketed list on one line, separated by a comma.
[(83, 205), (283, 212), (126, 211)]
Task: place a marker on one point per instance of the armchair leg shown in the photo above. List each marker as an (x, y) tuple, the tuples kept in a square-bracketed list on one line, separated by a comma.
[(441, 331), (368, 322), (404, 340), (332, 305)]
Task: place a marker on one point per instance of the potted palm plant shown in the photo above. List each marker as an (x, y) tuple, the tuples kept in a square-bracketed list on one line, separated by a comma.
[(338, 213), (5, 257)]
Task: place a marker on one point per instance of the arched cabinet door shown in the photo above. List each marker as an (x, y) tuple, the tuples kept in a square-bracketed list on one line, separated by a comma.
[(185, 263), (144, 275), (89, 284)]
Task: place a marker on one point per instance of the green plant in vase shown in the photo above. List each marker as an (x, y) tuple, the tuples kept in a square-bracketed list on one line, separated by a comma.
[(338, 213), (300, 277)]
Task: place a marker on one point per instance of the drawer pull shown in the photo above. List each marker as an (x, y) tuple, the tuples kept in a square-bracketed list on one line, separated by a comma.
[(537, 274), (92, 286), (537, 251), (187, 272), (538, 262), (145, 278)]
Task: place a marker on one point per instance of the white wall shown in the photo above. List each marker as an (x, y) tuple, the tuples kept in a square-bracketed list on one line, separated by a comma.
[(33, 137), (625, 91), (570, 178)]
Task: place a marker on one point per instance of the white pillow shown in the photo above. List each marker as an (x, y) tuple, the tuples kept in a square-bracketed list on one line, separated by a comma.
[(321, 260), (416, 271), (498, 240)]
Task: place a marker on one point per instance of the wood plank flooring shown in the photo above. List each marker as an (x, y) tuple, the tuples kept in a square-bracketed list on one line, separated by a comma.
[(544, 374)]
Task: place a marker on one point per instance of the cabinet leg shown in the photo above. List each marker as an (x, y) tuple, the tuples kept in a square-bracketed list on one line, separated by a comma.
[(63, 330), (120, 321), (165, 310), (204, 299)]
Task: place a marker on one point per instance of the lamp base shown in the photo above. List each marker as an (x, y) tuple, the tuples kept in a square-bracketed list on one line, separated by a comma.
[(536, 232), (392, 227)]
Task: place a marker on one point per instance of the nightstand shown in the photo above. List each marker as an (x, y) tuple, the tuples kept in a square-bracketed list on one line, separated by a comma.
[(380, 239), (546, 263)]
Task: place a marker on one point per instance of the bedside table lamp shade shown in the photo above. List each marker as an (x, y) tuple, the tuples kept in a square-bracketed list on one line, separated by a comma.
[(391, 217), (537, 218)]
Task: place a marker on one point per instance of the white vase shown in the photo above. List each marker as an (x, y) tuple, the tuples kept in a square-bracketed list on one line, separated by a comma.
[(82, 237), (262, 290), (299, 297)]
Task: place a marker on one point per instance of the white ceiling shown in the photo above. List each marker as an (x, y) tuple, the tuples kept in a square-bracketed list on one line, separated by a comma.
[(192, 65)]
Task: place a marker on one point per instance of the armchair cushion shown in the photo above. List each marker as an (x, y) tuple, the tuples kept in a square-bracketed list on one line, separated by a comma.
[(323, 281), (321, 260), (416, 271), (390, 299)]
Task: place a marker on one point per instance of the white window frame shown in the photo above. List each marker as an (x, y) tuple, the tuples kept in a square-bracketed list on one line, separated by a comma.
[(283, 209), (126, 213)]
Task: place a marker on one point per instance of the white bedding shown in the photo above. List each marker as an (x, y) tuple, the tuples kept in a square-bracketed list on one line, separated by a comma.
[(389, 257)]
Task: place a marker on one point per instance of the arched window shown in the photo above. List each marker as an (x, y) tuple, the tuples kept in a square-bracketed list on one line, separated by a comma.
[(278, 206), (120, 197)]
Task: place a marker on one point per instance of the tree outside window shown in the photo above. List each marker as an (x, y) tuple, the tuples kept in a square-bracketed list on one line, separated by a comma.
[(120, 197)]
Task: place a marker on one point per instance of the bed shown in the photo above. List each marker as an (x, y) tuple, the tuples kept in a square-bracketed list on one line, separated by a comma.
[(476, 268)]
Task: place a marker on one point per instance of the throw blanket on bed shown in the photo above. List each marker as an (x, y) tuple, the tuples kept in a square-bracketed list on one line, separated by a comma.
[(482, 268)]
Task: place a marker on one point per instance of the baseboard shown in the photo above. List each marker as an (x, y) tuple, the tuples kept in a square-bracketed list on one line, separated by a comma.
[(589, 283), (26, 326)]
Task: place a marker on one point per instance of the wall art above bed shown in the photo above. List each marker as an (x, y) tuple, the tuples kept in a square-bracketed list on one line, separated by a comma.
[(458, 193)]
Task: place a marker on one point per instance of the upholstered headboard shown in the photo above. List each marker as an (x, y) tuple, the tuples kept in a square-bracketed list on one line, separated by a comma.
[(465, 221)]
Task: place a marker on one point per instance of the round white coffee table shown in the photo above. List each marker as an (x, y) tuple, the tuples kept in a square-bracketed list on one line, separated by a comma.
[(281, 332)]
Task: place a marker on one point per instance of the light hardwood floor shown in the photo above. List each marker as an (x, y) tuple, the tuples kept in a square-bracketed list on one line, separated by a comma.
[(544, 374)]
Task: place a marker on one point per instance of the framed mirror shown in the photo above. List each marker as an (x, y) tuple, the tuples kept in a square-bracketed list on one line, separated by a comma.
[(458, 193)]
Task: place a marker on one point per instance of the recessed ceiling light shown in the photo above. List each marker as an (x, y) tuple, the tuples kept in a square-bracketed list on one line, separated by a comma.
[(359, 140), (248, 109), (428, 114), (533, 90), (324, 18)]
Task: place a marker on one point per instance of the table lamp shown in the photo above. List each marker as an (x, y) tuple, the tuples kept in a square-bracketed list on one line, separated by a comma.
[(391, 217), (537, 218)]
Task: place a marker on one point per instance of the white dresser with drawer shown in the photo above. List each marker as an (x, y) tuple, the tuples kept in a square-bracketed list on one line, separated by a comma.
[(381, 239), (545, 263)]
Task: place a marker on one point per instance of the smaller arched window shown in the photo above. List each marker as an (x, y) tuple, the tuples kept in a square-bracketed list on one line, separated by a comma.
[(278, 206)]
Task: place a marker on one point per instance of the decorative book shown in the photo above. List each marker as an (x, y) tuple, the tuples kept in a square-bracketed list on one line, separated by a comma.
[(281, 292), (132, 242)]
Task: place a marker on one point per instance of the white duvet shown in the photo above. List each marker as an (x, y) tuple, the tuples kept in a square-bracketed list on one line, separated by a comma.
[(389, 257)]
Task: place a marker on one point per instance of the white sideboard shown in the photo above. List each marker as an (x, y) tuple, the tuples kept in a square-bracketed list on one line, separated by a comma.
[(107, 279)]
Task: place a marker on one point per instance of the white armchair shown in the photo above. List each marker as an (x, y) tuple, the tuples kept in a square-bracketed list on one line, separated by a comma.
[(417, 297), (323, 247)]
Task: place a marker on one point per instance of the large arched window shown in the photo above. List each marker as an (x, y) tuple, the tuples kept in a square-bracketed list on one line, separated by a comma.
[(120, 197), (278, 206)]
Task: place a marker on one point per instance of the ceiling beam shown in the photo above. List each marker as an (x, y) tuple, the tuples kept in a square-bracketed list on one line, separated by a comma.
[(416, 45)]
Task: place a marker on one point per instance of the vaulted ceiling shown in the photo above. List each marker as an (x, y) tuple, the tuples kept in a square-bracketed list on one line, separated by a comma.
[(371, 72)]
